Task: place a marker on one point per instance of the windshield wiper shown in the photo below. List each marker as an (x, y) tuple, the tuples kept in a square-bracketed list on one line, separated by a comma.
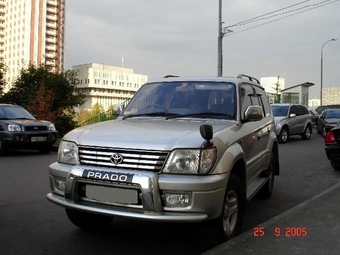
[(200, 114), (161, 114)]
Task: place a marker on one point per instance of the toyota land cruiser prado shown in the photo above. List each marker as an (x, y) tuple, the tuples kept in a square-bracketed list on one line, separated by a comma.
[(184, 149)]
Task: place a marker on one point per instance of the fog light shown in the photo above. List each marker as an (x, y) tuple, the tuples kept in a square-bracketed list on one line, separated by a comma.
[(60, 185), (17, 138), (177, 199)]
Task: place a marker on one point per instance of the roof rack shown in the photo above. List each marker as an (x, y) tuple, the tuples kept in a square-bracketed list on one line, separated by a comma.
[(249, 77), (170, 76)]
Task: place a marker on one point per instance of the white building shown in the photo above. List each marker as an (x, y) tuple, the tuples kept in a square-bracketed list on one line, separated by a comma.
[(273, 85), (313, 103), (330, 96), (107, 85), (31, 31)]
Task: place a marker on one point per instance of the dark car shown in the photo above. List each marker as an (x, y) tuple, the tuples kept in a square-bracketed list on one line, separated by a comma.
[(327, 120), (332, 146), (315, 116), (321, 108), (21, 130)]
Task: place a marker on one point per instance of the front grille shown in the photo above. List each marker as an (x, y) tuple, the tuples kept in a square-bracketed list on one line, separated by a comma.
[(35, 128), (132, 159)]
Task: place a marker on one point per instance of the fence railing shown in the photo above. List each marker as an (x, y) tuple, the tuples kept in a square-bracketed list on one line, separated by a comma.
[(104, 116)]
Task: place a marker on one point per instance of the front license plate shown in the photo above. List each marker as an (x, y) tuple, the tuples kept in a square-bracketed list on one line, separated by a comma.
[(111, 194), (38, 139)]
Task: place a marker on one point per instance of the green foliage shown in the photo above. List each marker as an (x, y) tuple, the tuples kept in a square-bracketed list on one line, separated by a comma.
[(39, 89), (2, 76), (84, 115)]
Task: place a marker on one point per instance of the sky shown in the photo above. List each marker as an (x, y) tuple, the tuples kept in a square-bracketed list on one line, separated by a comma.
[(180, 37)]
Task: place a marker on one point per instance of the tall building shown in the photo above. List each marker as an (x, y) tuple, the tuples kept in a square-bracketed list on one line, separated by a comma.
[(313, 103), (330, 96), (31, 31), (106, 85)]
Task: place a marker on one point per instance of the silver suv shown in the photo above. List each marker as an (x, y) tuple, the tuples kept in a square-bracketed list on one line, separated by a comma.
[(292, 119), (183, 150)]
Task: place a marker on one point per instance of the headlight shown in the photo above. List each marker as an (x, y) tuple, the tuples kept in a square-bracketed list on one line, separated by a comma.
[(14, 128), (68, 153), (51, 127), (195, 161)]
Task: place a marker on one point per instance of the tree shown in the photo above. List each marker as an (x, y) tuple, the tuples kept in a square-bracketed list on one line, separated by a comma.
[(47, 95), (2, 76)]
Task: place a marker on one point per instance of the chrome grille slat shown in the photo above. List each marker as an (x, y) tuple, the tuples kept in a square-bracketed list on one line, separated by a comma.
[(133, 159)]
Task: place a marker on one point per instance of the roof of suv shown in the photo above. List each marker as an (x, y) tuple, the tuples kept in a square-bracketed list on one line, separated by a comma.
[(240, 77)]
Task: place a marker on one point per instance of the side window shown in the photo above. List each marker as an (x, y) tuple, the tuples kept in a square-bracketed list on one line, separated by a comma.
[(293, 110), (249, 95), (305, 110)]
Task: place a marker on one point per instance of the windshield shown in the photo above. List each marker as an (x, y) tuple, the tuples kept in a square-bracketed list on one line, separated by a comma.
[(333, 114), (8, 112), (280, 110), (184, 99)]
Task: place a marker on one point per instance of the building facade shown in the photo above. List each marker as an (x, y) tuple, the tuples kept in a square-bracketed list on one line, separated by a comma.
[(298, 94), (31, 32), (313, 103), (273, 85), (330, 96), (106, 85)]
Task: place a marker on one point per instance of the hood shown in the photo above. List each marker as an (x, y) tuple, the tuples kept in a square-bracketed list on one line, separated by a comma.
[(278, 119), (25, 122), (145, 133), (332, 120)]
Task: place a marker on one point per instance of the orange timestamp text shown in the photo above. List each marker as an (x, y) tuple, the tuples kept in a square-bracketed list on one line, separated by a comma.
[(288, 231)]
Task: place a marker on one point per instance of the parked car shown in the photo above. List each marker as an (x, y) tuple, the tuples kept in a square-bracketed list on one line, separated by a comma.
[(321, 108), (332, 146), (183, 150), (327, 120), (292, 119), (19, 129), (314, 117)]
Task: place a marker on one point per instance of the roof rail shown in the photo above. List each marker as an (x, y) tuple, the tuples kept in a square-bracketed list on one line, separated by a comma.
[(170, 75), (249, 77)]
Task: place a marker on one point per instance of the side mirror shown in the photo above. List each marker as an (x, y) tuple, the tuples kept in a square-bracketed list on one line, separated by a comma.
[(118, 108), (292, 115), (207, 134), (253, 113)]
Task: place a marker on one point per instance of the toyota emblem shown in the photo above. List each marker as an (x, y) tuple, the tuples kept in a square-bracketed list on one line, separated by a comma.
[(116, 159)]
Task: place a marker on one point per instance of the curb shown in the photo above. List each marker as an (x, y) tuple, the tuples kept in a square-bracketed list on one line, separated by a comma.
[(227, 246)]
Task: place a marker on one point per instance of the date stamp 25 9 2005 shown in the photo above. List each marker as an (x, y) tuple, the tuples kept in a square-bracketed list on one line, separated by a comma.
[(279, 231)]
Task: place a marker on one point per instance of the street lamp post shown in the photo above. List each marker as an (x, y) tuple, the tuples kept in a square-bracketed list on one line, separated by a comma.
[(321, 85), (219, 41)]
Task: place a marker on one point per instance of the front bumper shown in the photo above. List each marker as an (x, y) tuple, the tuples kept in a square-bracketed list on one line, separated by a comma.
[(206, 193), (28, 140)]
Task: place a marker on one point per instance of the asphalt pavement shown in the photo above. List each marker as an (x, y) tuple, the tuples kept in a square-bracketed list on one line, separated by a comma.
[(312, 227)]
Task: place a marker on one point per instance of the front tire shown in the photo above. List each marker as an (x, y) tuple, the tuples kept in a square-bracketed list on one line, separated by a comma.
[(335, 165), (88, 221), (283, 136), (229, 224), (307, 133), (267, 190)]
